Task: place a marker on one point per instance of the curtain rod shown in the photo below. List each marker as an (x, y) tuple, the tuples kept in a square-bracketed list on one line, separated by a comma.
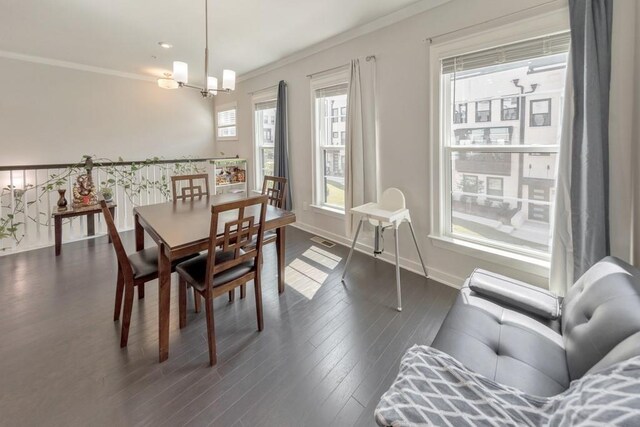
[(263, 89), (430, 39), (368, 59)]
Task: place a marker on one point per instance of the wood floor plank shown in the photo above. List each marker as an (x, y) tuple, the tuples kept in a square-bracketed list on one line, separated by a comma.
[(326, 354)]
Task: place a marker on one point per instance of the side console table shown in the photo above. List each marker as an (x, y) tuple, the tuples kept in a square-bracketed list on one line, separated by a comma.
[(88, 211)]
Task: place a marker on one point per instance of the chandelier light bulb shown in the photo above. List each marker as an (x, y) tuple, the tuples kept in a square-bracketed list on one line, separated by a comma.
[(181, 72), (228, 80)]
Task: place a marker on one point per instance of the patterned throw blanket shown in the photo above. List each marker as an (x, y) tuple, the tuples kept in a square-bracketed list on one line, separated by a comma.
[(434, 389)]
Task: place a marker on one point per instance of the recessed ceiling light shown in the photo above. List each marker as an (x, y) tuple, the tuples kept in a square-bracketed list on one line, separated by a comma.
[(165, 45)]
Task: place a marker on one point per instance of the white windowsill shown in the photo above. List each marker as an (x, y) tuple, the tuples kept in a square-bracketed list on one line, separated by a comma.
[(517, 261), (325, 210)]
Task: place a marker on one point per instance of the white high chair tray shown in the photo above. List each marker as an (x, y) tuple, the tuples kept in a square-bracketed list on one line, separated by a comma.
[(374, 211)]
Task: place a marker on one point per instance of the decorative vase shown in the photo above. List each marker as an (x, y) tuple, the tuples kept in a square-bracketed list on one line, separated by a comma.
[(62, 202)]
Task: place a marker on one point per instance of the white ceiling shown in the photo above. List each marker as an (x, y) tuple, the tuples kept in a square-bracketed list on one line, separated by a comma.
[(122, 35)]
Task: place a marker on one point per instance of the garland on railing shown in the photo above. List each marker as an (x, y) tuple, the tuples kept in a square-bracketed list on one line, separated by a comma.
[(117, 175)]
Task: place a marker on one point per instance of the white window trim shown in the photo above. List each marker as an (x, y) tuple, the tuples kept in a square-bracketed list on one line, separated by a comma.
[(540, 25), (220, 109), (263, 96), (320, 82)]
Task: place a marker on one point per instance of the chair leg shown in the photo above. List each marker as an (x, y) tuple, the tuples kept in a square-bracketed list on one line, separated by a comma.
[(258, 289), (196, 300), (119, 294), (141, 291), (182, 301), (126, 316), (243, 291), (211, 331), (232, 295)]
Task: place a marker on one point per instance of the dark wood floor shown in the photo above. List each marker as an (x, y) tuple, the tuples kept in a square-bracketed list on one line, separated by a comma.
[(326, 354)]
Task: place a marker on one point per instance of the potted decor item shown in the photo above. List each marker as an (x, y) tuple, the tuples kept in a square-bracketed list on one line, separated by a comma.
[(107, 194), (62, 201)]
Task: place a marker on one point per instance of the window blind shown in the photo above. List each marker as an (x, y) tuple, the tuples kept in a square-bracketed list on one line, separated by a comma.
[(227, 117), (268, 105), (524, 50), (332, 91)]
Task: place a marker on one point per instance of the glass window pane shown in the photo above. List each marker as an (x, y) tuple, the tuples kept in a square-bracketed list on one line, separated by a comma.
[(333, 161), (264, 128), (514, 208), (529, 95), (266, 161), (227, 131), (330, 129)]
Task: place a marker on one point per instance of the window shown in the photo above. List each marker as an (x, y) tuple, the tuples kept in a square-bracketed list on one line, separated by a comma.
[(496, 184), (264, 112), (510, 108), (329, 102), (540, 112), (469, 186), (226, 122), (460, 114), (483, 111)]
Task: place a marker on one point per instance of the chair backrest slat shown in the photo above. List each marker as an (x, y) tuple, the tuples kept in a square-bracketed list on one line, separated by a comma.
[(248, 220), (189, 190), (275, 188), (121, 254)]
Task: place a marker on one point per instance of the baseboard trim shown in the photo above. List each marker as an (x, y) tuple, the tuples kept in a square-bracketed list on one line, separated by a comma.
[(405, 263)]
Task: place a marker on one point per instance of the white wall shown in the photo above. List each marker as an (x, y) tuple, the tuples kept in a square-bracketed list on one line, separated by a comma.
[(51, 114), (403, 97), (624, 114)]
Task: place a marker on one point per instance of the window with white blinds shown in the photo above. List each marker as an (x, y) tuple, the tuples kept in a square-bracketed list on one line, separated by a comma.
[(329, 105), (500, 118), (264, 124), (226, 122)]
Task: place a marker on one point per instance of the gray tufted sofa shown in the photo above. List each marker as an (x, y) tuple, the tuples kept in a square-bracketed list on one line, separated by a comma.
[(515, 342)]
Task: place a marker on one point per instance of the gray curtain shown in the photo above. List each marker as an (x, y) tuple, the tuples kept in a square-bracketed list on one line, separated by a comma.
[(590, 22), (281, 149)]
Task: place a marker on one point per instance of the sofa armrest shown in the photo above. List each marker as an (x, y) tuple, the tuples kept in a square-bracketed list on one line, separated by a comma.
[(515, 293)]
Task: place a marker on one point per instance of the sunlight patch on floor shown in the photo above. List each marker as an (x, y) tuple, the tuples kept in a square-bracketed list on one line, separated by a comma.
[(322, 257)]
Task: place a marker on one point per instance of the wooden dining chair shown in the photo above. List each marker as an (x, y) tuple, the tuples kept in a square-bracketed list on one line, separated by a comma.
[(189, 190), (133, 270), (219, 271), (191, 186), (275, 188)]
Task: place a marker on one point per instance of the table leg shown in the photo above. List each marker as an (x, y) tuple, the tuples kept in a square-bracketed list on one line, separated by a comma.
[(164, 299), (91, 225), (58, 232), (139, 234), (280, 249)]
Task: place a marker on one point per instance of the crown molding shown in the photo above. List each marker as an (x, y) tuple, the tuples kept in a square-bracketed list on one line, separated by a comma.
[(73, 66), (385, 21)]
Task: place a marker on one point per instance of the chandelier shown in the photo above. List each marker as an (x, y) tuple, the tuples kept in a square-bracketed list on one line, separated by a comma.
[(180, 77)]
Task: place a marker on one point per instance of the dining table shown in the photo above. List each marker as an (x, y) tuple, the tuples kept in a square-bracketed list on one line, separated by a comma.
[(181, 228)]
